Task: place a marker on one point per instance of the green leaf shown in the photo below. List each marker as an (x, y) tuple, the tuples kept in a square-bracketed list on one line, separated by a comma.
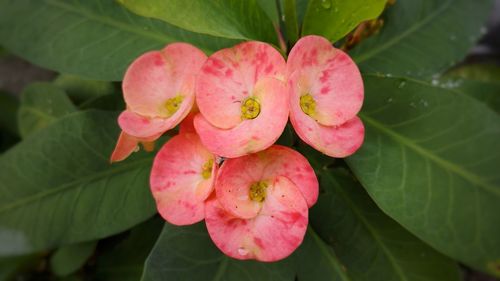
[(291, 24), (187, 253), (96, 39), (9, 106), (125, 261), (334, 19), (480, 81), (42, 104), (317, 261), (58, 186), (370, 245), (232, 19), (69, 259), (430, 160), (271, 9), (83, 90), (301, 8), (421, 38)]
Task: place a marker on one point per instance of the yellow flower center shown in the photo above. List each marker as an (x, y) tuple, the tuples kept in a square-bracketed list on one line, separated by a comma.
[(308, 104), (258, 191), (206, 169), (250, 108), (172, 105)]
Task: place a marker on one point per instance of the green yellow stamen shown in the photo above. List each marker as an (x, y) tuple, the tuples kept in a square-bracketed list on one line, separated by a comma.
[(258, 191), (206, 169), (308, 104), (172, 105), (250, 108)]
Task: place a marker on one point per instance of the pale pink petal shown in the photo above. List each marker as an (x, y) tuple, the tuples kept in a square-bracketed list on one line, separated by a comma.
[(237, 175), (229, 76), (124, 147), (308, 52), (251, 135), (143, 127), (178, 182), (280, 160), (233, 184), (328, 75), (272, 235), (157, 76), (335, 141)]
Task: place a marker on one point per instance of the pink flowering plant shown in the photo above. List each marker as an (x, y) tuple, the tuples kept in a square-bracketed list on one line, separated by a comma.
[(250, 140)]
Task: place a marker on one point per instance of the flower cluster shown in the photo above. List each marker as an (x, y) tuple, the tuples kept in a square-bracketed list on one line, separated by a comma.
[(223, 166)]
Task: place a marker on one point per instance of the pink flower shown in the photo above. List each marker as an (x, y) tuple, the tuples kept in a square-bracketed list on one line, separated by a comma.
[(158, 88), (260, 210), (242, 99), (182, 177), (127, 144), (326, 92)]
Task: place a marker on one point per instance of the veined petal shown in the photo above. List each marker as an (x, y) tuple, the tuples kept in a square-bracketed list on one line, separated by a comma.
[(157, 79), (229, 76), (182, 178), (250, 135), (270, 236)]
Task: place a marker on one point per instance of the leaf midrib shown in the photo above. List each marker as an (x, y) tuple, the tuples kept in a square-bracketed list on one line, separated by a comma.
[(369, 227), (445, 164), (389, 43), (68, 186)]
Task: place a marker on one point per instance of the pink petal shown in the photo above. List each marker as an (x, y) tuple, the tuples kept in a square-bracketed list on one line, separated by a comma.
[(143, 127), (124, 147), (308, 52), (284, 161), (177, 181), (272, 235), (251, 135), (229, 76), (237, 175), (157, 76), (335, 141), (187, 125), (330, 76)]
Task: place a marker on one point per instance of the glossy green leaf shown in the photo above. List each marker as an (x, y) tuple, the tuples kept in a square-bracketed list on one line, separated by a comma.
[(187, 253), (423, 37), (96, 39), (370, 245), (317, 261), (333, 19), (480, 81), (125, 261), (42, 104), (232, 19), (58, 186), (68, 259), (8, 113), (430, 160)]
